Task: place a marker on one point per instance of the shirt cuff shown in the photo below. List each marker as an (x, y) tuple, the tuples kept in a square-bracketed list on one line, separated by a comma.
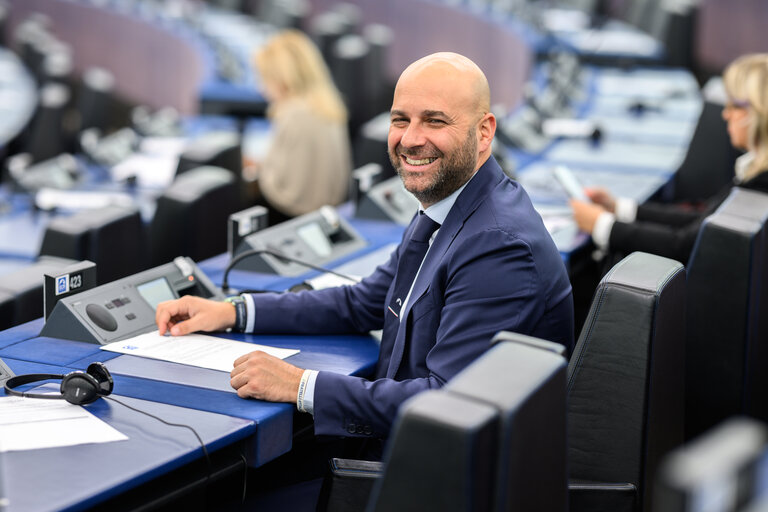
[(626, 209), (305, 399), (601, 233), (250, 312)]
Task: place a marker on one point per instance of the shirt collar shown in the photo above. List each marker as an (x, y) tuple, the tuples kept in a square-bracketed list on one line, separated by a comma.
[(439, 211), (742, 165)]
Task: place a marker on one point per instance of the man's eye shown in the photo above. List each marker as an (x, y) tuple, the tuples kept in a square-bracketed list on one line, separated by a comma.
[(435, 121), (399, 121)]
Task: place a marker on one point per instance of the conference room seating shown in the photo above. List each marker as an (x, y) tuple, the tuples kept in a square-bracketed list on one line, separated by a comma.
[(30, 38), (214, 149), (21, 291), (625, 384), (727, 342), (708, 164), (191, 215), (503, 418), (113, 237), (326, 29), (348, 61), (370, 144), (723, 469), (94, 99), (45, 138), (283, 13), (379, 86)]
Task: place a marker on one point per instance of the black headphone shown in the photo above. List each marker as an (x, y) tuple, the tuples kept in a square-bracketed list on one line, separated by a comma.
[(77, 387)]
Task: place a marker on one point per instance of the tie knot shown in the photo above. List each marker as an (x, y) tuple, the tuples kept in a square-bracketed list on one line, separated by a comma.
[(424, 228)]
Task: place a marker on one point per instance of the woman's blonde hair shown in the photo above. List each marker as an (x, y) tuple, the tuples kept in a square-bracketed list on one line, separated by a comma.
[(292, 62), (746, 83)]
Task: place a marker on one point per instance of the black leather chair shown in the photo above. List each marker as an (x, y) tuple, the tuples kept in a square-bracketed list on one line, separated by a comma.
[(113, 237), (349, 63), (625, 384), (215, 149), (727, 345), (492, 439), (191, 215), (721, 470), (708, 165), (21, 291), (46, 133), (95, 104)]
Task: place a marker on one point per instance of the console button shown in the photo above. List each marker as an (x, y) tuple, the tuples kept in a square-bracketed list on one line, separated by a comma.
[(101, 317)]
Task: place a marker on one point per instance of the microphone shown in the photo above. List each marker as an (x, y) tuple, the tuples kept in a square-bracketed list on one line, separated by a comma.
[(280, 256)]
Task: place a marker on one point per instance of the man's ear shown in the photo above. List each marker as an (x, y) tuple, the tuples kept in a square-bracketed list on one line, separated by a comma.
[(485, 131)]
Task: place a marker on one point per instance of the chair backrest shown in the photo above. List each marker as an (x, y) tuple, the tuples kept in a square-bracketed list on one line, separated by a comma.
[(46, 132), (724, 469), (441, 456), (492, 439), (727, 342), (112, 237), (95, 103), (191, 215), (708, 165), (21, 291), (216, 149), (625, 377)]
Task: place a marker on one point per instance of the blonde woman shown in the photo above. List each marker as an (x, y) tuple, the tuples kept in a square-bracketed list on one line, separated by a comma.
[(308, 164), (620, 225)]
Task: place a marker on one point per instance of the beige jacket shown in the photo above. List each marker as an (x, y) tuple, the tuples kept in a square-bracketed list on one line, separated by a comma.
[(308, 164)]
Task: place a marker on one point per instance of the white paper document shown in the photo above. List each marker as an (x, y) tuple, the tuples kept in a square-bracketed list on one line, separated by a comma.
[(192, 349), (32, 423)]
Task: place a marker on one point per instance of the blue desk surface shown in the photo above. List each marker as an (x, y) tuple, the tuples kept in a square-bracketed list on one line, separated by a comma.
[(46, 479), (199, 388)]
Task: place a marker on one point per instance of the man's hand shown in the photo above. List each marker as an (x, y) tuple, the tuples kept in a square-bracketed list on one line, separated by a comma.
[(190, 314), (260, 375), (586, 214)]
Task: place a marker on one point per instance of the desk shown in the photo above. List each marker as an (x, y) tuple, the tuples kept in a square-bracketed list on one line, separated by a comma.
[(637, 154), (199, 388), (78, 477)]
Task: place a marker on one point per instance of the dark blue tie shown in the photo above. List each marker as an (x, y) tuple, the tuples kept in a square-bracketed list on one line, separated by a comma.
[(407, 267)]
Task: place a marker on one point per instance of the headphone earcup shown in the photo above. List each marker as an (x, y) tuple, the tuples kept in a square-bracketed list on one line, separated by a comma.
[(100, 372), (79, 388)]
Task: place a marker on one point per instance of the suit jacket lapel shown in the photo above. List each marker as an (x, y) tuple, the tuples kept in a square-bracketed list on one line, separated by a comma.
[(470, 198)]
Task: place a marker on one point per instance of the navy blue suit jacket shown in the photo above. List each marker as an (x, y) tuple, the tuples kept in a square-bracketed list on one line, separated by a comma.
[(491, 267)]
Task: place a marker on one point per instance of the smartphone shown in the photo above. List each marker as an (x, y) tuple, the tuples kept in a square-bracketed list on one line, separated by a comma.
[(569, 182)]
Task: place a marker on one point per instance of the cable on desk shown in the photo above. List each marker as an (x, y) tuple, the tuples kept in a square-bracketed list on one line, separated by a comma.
[(245, 478), (161, 420)]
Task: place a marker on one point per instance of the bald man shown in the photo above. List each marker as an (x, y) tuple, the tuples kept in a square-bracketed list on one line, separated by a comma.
[(489, 266)]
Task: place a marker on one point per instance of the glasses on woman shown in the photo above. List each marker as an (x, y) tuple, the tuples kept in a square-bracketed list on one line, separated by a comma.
[(736, 105)]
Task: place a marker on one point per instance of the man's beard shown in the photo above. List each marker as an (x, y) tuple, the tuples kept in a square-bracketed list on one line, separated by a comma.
[(454, 170)]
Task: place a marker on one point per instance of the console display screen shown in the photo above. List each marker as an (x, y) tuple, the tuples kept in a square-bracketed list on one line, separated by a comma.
[(156, 291), (313, 236)]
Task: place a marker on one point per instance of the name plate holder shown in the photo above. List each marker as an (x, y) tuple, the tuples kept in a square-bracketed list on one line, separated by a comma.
[(68, 281)]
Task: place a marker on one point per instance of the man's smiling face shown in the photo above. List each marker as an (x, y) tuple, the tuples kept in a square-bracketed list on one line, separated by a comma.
[(433, 135)]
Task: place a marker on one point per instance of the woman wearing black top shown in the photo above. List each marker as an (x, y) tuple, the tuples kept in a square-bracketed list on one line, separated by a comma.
[(620, 225)]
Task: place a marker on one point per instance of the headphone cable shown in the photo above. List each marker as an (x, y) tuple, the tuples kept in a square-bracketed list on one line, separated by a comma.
[(161, 420)]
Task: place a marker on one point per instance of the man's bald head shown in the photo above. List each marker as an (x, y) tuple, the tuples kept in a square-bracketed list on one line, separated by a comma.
[(441, 128), (456, 72)]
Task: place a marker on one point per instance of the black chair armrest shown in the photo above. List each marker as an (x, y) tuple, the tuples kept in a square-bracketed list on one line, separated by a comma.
[(348, 484), (602, 497)]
